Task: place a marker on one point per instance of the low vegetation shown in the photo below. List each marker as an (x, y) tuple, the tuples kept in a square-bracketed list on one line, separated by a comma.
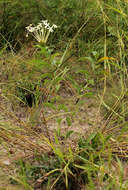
[(64, 95)]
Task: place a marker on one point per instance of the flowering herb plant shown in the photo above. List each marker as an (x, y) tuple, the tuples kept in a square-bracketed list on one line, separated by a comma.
[(40, 32)]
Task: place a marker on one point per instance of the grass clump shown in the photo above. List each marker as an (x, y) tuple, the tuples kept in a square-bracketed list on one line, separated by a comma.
[(91, 165)]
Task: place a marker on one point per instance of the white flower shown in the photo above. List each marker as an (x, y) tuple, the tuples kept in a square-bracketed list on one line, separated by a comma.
[(42, 31), (39, 26), (54, 26), (46, 25), (44, 22), (50, 29)]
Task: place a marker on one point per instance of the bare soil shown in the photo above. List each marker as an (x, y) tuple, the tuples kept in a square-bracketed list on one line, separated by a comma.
[(26, 130)]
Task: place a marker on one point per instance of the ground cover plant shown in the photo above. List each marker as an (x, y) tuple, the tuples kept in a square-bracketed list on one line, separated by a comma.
[(63, 95)]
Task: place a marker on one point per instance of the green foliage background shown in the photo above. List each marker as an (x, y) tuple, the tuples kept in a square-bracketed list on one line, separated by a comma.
[(69, 15)]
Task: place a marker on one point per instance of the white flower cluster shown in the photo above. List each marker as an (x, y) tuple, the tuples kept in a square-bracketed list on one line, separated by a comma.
[(42, 31)]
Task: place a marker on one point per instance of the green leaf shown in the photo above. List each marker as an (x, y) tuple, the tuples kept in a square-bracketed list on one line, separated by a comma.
[(68, 119), (56, 139), (50, 105), (68, 134)]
